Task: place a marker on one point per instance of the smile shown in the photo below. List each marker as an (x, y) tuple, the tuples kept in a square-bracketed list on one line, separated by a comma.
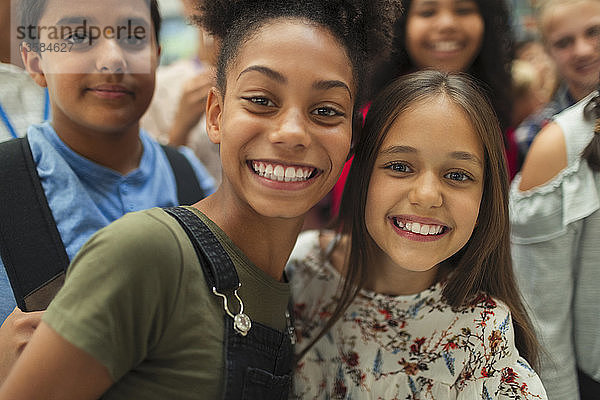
[(419, 228), (446, 46), (283, 173)]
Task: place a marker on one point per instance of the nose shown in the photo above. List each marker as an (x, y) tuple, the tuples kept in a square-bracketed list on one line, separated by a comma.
[(291, 130), (446, 19), (426, 191), (110, 57)]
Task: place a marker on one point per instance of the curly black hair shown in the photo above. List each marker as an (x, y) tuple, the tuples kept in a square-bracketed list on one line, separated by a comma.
[(364, 28), (491, 67)]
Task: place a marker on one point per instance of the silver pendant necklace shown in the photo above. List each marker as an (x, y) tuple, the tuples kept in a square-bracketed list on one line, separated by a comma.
[(241, 321)]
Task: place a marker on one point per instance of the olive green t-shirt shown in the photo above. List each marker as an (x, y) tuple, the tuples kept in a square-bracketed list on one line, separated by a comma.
[(135, 298)]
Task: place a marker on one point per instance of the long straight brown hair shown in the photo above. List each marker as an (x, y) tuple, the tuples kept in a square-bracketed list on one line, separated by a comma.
[(484, 263)]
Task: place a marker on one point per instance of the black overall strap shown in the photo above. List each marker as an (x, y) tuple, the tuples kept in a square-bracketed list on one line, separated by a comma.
[(31, 247), (188, 187), (258, 362), (218, 268)]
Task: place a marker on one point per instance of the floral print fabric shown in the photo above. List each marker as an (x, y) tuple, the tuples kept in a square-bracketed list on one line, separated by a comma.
[(402, 347)]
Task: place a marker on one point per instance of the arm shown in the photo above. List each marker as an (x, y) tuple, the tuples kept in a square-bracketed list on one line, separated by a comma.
[(546, 158), (53, 368), (15, 333)]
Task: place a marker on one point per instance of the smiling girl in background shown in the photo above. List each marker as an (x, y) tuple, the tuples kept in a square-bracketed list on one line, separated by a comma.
[(416, 297), (472, 36)]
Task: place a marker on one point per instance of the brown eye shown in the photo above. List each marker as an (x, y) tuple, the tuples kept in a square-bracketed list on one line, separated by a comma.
[(398, 167), (458, 176), (261, 101), (327, 112)]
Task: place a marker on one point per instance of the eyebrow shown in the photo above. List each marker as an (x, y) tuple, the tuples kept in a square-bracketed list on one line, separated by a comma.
[(135, 21), (278, 77), (398, 149), (330, 84), (457, 155), (464, 155), (72, 20)]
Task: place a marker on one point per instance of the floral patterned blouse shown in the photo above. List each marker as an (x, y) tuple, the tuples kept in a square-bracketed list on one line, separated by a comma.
[(401, 347)]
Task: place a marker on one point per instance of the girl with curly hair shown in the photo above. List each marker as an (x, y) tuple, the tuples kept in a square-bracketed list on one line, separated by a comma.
[(146, 312)]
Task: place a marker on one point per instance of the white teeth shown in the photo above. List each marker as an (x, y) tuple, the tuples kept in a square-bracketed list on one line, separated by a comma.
[(278, 172), (418, 228), (446, 46), (290, 174), (281, 173)]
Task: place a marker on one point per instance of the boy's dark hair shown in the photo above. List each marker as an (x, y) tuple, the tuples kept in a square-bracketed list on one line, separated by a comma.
[(30, 12), (363, 27), (491, 67)]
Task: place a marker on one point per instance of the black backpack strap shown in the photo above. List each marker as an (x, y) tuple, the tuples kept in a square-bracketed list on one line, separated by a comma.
[(188, 187), (31, 247)]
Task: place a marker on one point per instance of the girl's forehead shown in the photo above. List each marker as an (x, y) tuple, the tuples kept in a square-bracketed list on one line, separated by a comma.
[(293, 47), (296, 31)]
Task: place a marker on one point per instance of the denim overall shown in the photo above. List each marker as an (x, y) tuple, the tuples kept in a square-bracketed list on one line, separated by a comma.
[(258, 359)]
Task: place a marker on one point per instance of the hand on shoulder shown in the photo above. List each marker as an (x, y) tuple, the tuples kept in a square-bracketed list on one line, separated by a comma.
[(547, 156)]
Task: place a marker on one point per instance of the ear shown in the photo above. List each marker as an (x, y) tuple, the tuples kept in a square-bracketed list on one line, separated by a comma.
[(214, 109), (33, 64)]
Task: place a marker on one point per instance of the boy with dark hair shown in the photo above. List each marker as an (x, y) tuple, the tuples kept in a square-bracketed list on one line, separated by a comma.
[(93, 161)]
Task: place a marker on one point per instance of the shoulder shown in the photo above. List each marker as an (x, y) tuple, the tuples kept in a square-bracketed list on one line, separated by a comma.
[(312, 251), (555, 187), (486, 327), (487, 333), (545, 159), (143, 255), (307, 242), (309, 271), (487, 312), (138, 240)]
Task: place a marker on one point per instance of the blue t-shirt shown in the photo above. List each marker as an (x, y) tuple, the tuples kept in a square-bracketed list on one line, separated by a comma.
[(85, 197)]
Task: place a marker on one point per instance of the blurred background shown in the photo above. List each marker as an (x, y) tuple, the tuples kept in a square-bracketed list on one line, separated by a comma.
[(179, 39)]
